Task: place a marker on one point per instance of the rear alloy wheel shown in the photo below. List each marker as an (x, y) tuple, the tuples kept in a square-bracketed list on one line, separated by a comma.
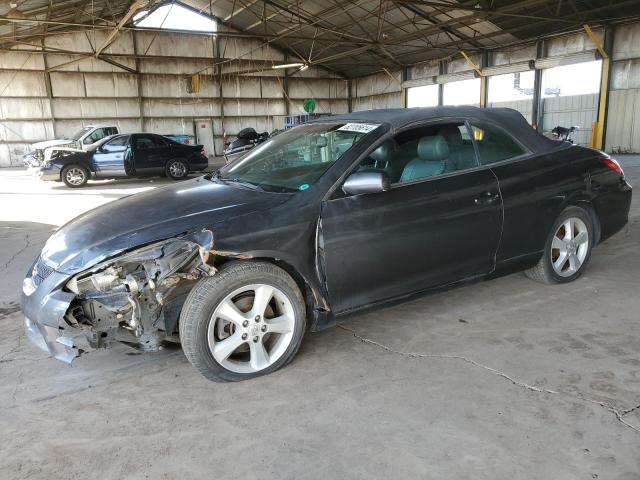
[(177, 169), (245, 321), (567, 250), (75, 176)]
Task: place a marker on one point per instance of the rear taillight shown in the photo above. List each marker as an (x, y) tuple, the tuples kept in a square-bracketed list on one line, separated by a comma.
[(612, 164), (202, 152)]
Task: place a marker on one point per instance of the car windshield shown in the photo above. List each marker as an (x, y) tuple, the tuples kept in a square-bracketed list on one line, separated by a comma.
[(296, 158), (76, 136)]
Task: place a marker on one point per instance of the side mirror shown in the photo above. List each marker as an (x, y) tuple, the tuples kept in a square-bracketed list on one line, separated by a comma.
[(366, 182), (87, 141)]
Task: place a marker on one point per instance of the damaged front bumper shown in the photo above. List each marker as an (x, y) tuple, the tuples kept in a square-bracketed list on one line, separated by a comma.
[(135, 298), (45, 304)]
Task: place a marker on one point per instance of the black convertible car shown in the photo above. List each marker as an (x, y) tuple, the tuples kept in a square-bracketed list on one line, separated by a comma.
[(325, 220), (136, 155)]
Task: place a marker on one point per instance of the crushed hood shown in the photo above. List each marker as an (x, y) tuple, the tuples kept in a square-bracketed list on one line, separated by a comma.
[(52, 143), (147, 217)]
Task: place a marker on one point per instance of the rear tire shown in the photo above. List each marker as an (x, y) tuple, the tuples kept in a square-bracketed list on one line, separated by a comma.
[(567, 249), (256, 308), (177, 169), (75, 176)]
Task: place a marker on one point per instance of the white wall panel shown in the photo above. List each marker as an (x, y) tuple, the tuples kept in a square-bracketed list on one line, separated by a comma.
[(181, 67), (272, 88), (25, 131), (240, 107), (92, 108), (67, 84), (180, 108), (22, 84), (626, 41), (575, 43), (174, 45), (24, 108), (68, 127), (111, 85), (21, 61), (160, 86), (245, 87), (390, 100), (375, 84), (623, 123)]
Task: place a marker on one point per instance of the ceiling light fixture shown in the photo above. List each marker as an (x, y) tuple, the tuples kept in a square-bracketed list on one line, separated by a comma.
[(289, 65)]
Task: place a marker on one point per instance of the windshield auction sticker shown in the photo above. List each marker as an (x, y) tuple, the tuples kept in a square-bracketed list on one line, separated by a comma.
[(358, 127)]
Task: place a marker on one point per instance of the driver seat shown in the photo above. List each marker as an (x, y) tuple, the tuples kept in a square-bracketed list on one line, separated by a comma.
[(433, 153)]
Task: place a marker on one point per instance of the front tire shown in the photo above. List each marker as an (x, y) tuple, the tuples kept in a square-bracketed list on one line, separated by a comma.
[(75, 176), (567, 249), (245, 321), (177, 169)]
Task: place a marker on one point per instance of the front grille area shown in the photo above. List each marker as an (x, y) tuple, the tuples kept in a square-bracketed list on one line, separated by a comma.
[(40, 272)]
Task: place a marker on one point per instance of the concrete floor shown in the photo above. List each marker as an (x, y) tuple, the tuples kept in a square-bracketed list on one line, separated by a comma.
[(514, 380)]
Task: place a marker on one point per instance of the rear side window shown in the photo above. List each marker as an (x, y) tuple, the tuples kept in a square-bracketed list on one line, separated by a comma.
[(494, 144), (158, 141), (144, 142)]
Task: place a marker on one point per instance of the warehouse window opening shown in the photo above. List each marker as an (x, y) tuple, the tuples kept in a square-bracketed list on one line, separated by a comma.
[(175, 17), (424, 96), (576, 79)]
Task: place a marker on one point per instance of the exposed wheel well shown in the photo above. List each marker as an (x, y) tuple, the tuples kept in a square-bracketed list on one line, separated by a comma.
[(586, 206), (310, 297)]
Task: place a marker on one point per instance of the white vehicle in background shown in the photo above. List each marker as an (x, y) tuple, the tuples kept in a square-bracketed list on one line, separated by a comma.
[(83, 139)]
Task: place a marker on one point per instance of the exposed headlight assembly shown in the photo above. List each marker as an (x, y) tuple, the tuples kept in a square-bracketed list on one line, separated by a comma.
[(184, 257)]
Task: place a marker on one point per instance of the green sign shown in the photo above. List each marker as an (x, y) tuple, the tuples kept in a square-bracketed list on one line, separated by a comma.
[(309, 105)]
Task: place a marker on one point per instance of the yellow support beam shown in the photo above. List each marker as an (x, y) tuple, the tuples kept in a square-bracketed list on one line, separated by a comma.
[(595, 41), (473, 64), (602, 106), (597, 134), (483, 92)]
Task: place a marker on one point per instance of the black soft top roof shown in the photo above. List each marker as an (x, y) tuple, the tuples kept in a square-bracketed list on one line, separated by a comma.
[(509, 119)]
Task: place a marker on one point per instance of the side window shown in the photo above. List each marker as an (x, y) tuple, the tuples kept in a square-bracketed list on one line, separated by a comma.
[(158, 141), (97, 135), (110, 131), (424, 152), (116, 144), (143, 143), (494, 145)]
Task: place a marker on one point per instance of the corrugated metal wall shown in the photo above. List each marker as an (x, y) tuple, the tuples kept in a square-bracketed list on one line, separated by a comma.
[(377, 91), (623, 126), (37, 106)]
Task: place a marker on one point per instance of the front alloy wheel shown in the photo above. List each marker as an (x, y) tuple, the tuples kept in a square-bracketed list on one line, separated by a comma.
[(251, 328), (245, 321), (75, 176)]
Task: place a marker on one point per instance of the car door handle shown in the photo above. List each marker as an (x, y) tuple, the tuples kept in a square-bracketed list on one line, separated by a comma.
[(486, 198), (118, 156)]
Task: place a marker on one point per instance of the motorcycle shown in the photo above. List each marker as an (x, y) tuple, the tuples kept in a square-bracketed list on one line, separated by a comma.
[(564, 133), (246, 140)]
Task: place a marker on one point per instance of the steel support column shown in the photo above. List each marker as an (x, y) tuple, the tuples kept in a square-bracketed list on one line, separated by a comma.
[(605, 51), (538, 105), (442, 69), (484, 81)]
